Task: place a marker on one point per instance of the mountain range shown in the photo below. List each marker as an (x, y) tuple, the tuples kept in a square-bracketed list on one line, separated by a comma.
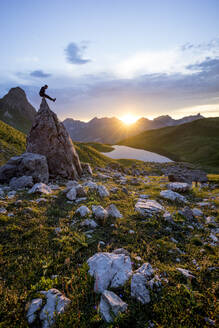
[(16, 111), (112, 130)]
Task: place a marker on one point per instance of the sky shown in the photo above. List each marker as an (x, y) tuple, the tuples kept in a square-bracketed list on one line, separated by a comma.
[(108, 58)]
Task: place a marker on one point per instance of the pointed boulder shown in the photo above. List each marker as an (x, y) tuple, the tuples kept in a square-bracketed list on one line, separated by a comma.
[(49, 137)]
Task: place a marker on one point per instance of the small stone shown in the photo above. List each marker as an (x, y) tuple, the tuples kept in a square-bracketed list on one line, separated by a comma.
[(131, 232), (111, 304), (185, 273), (34, 306), (197, 212), (3, 210), (83, 211), (173, 196), (11, 194), (179, 186), (41, 200), (72, 194), (99, 212), (138, 288), (113, 211), (102, 191), (41, 188), (89, 223), (148, 207)]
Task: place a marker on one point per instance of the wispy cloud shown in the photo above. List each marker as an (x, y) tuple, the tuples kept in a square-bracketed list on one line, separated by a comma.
[(40, 74), (74, 53)]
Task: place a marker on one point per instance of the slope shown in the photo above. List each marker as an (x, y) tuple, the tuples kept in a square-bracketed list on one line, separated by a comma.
[(196, 142)]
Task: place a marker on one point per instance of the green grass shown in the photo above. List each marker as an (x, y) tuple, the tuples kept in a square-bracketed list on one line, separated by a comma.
[(17, 120), (12, 142), (196, 142), (31, 252)]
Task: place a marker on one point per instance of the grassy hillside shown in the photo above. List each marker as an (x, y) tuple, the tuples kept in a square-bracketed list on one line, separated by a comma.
[(196, 142), (12, 142)]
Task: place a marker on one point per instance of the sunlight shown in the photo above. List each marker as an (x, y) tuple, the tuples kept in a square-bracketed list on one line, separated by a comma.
[(129, 119)]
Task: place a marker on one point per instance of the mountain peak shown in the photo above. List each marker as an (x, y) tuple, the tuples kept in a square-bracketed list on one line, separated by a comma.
[(16, 111)]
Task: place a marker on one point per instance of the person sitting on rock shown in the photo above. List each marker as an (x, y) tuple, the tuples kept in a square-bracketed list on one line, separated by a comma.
[(42, 93)]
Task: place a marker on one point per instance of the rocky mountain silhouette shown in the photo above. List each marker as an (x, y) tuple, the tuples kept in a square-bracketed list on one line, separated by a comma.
[(112, 130), (16, 110)]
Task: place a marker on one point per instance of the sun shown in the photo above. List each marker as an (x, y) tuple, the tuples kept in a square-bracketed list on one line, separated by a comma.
[(129, 119)]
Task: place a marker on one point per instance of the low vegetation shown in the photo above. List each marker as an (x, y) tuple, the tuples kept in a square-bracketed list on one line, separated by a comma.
[(196, 142), (35, 257), (12, 142)]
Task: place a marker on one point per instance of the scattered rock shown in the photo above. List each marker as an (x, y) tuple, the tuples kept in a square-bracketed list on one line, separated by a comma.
[(148, 207), (109, 269), (187, 213), (56, 303), (86, 169), (102, 191), (3, 210), (197, 212), (89, 223), (41, 188), (99, 212), (113, 211), (27, 164), (186, 273), (138, 288), (34, 306), (91, 185), (179, 186), (83, 211), (41, 200), (49, 137), (80, 191), (210, 219), (11, 194), (72, 194), (21, 183), (111, 304), (173, 196)]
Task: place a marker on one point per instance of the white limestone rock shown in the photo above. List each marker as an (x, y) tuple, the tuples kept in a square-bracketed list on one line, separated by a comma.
[(91, 185), (185, 273), (111, 304), (89, 223), (179, 186), (56, 304), (99, 212), (148, 207), (102, 191), (72, 194), (173, 196), (3, 210), (83, 211), (139, 289), (146, 269), (197, 212), (34, 306), (113, 211), (109, 269), (41, 188), (11, 194)]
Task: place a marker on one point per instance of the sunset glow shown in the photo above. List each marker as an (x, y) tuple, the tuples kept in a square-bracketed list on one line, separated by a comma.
[(129, 119)]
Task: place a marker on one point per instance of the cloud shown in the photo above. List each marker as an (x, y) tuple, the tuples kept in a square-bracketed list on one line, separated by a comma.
[(208, 65), (74, 53), (40, 74)]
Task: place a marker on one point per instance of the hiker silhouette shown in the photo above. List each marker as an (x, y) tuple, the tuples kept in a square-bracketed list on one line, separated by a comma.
[(42, 93)]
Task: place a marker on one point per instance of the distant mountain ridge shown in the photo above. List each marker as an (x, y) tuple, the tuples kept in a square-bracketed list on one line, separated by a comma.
[(16, 111), (112, 130)]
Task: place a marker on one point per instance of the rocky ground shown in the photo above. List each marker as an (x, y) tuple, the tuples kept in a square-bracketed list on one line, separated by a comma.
[(112, 250)]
